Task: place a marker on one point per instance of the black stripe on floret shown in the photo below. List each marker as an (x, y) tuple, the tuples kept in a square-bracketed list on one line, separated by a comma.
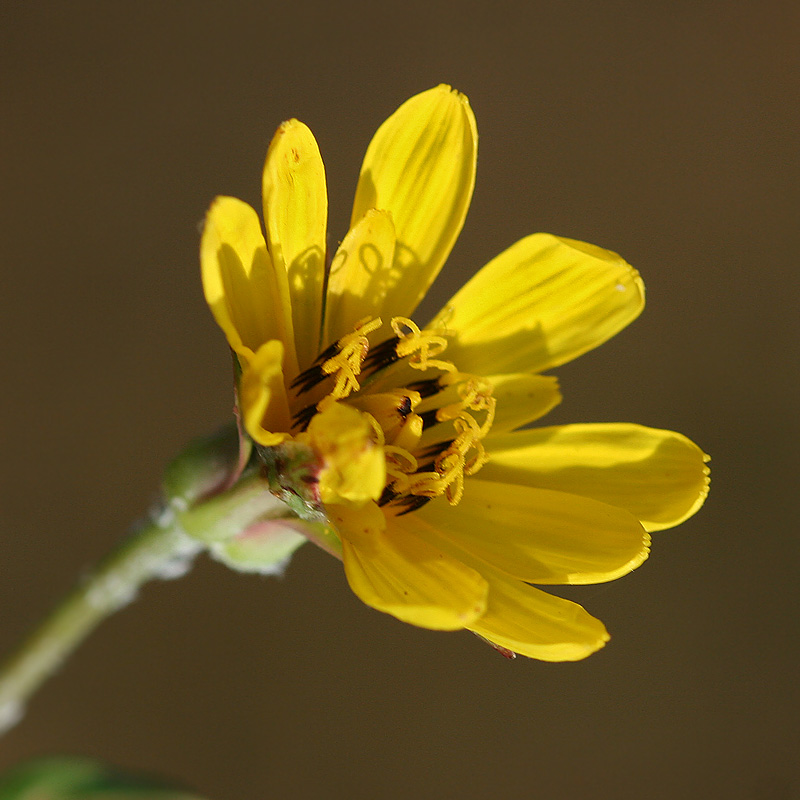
[(386, 496), (412, 503), (309, 378), (429, 418), (383, 354), (435, 449), (426, 388), (304, 416)]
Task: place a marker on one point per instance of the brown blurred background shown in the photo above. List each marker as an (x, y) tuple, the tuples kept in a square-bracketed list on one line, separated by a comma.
[(665, 131)]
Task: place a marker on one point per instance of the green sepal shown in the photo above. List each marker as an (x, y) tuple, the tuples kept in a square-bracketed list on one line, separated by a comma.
[(229, 514), (291, 469), (267, 546), (264, 548), (208, 465), (82, 779)]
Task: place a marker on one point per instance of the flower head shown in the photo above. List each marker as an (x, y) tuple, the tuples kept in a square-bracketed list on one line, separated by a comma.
[(411, 440)]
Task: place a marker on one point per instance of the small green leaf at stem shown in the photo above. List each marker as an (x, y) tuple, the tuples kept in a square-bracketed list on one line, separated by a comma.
[(66, 778)]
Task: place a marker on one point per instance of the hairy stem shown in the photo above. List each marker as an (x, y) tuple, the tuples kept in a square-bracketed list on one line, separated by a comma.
[(159, 549)]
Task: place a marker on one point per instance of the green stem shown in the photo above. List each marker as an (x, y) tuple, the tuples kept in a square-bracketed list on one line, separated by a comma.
[(160, 549)]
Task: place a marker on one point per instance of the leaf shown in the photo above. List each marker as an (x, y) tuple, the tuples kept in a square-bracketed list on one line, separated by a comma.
[(63, 778)]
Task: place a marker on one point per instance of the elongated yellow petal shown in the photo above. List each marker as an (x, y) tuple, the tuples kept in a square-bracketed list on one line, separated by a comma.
[(296, 218), (393, 570), (659, 476), (362, 274), (354, 467), (537, 535), (420, 167), (239, 281), (542, 302), (262, 396), (522, 398), (536, 624)]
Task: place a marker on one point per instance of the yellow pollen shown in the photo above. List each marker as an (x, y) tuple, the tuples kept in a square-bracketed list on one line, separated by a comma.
[(380, 438), (466, 454), (468, 438), (399, 465), (399, 462), (463, 456), (422, 346), (352, 349), (451, 466), (476, 395)]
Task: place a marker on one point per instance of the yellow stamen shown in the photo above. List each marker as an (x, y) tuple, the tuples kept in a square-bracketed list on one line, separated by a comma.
[(399, 465), (393, 409), (352, 349), (451, 465), (463, 456), (476, 395), (466, 453), (380, 438), (399, 462), (422, 346)]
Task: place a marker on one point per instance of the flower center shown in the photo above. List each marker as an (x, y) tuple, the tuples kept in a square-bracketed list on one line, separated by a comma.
[(430, 426)]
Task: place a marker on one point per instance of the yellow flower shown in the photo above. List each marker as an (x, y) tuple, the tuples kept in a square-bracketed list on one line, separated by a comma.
[(445, 510)]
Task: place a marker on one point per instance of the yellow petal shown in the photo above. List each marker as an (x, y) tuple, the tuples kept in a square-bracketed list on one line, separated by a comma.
[(420, 167), (537, 535), (354, 467), (296, 217), (262, 396), (542, 302), (393, 570), (536, 624), (659, 476), (239, 281), (522, 398), (361, 275)]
